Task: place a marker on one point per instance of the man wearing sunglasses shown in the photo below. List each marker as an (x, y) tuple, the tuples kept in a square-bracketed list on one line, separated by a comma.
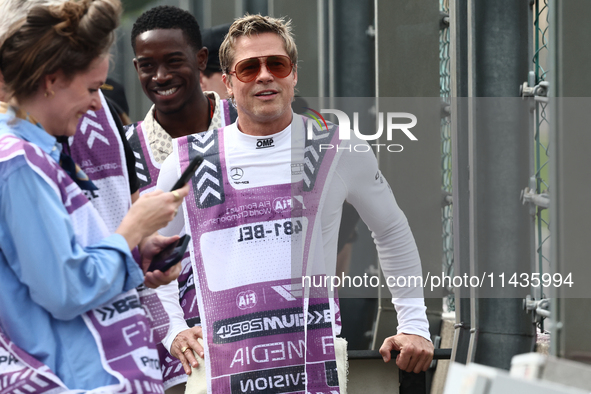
[(264, 202)]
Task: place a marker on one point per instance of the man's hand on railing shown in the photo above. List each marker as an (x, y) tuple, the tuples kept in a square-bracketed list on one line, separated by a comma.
[(416, 353)]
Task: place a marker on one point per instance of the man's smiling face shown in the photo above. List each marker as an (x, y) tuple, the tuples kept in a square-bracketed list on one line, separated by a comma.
[(168, 68), (267, 98)]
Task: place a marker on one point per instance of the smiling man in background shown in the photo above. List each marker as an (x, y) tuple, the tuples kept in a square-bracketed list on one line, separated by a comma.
[(169, 57)]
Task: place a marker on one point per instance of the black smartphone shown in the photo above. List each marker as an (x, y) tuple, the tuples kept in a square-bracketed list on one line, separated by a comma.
[(188, 173), (170, 255)]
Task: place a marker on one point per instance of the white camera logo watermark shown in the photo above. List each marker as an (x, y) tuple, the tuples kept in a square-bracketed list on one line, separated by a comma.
[(393, 122)]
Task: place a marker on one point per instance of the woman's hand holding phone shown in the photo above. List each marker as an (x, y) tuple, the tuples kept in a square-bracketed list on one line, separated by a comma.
[(151, 247)]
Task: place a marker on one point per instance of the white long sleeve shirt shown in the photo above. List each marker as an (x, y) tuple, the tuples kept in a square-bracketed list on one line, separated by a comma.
[(357, 180)]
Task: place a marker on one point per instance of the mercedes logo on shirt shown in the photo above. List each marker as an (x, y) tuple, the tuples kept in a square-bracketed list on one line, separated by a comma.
[(236, 173)]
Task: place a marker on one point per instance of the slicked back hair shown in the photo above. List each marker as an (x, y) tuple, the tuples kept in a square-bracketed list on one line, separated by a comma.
[(250, 25)]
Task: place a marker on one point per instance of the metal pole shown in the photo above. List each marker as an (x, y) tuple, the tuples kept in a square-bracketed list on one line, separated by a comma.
[(376, 50), (331, 48), (321, 24), (499, 166), (353, 47), (460, 168), (555, 318), (472, 204), (570, 144)]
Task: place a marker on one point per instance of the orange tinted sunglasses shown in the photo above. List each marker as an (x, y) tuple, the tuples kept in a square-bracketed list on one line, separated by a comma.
[(248, 69)]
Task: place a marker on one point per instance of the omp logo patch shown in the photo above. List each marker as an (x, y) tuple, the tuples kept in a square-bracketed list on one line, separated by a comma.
[(265, 143), (280, 321)]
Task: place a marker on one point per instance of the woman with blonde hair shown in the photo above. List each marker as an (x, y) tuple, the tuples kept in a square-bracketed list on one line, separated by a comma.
[(70, 317)]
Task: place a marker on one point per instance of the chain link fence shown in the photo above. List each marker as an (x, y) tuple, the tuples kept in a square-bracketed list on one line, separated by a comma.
[(446, 158), (541, 135)]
